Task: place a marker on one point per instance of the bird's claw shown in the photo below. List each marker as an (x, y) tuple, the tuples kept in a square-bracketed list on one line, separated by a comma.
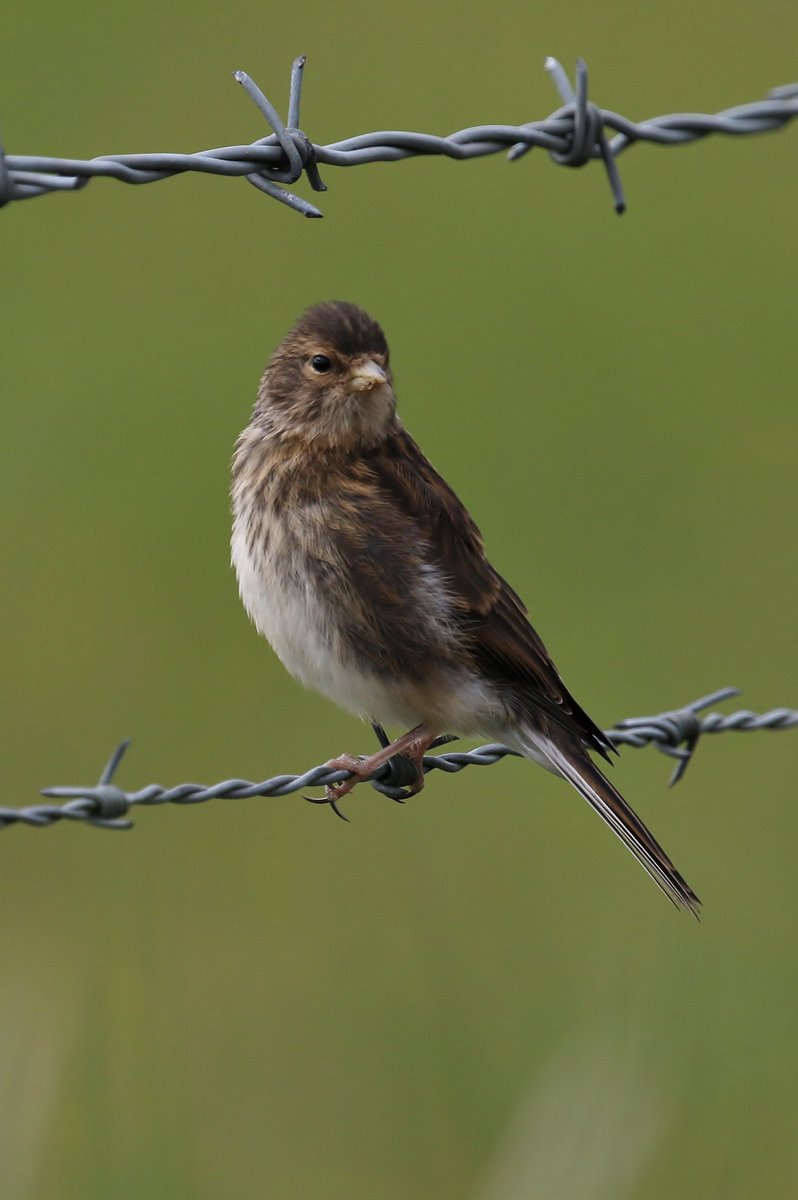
[(328, 798), (335, 792)]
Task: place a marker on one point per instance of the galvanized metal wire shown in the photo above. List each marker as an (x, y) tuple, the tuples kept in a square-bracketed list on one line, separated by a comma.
[(105, 806), (573, 135)]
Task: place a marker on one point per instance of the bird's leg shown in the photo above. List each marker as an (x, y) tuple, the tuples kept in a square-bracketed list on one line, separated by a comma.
[(412, 746)]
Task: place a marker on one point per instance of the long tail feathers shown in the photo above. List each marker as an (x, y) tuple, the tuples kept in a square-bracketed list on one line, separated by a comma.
[(584, 775)]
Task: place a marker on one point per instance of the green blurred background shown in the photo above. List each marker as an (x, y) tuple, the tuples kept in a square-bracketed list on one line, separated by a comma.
[(479, 995)]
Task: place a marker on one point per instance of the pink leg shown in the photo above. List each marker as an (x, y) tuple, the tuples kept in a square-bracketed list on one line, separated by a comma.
[(413, 745)]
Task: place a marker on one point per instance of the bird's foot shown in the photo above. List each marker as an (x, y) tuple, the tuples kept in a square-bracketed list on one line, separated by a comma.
[(411, 747), (359, 773)]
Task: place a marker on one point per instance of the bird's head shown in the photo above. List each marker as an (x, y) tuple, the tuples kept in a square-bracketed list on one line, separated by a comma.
[(328, 383)]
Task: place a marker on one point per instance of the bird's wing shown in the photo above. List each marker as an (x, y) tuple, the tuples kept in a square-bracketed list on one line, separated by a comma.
[(494, 618)]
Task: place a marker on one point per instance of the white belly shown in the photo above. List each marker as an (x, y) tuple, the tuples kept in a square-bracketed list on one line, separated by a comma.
[(297, 621)]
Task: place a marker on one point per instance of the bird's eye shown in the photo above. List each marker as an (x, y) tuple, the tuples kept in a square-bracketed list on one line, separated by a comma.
[(321, 364)]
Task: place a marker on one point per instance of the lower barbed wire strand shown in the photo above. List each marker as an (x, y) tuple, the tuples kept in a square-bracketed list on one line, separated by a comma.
[(105, 806)]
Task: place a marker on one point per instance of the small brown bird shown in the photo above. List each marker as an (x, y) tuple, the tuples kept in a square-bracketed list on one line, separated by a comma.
[(369, 578)]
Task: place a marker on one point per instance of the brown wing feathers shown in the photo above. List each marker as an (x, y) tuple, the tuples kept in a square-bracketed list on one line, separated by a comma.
[(495, 623)]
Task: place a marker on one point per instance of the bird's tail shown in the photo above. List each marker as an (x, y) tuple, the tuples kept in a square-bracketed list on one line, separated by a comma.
[(569, 760)]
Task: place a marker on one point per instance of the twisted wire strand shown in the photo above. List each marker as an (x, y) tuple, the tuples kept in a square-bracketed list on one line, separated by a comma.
[(105, 806), (573, 135)]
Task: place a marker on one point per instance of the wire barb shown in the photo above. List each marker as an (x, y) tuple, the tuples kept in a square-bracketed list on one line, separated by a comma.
[(586, 138), (300, 154), (573, 136), (675, 733)]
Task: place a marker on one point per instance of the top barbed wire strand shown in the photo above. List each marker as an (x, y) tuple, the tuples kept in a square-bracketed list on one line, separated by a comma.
[(105, 806), (573, 135)]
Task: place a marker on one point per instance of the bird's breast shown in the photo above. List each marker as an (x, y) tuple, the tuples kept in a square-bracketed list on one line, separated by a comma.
[(371, 630)]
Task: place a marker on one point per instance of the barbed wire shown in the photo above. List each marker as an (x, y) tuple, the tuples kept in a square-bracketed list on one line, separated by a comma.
[(105, 806), (573, 135)]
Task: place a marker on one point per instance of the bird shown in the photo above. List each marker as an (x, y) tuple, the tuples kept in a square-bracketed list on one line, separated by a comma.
[(368, 576)]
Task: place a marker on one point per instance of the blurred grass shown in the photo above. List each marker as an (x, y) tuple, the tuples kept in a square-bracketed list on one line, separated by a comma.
[(478, 995)]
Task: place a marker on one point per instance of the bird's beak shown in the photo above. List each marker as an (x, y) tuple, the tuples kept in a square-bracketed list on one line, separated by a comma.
[(367, 374)]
